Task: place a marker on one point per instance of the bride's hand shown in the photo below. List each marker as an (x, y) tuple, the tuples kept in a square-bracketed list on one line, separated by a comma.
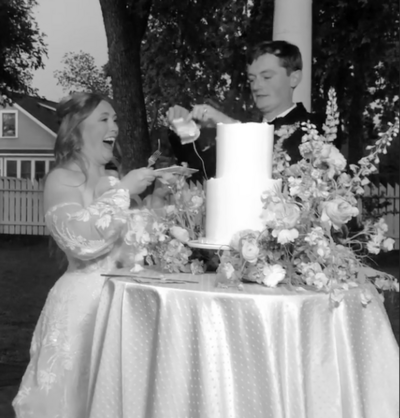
[(209, 116), (138, 180)]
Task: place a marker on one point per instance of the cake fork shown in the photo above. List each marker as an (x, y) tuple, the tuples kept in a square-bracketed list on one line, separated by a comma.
[(154, 157)]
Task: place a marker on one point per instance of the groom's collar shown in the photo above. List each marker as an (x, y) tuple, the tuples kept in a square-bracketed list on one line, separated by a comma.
[(281, 115)]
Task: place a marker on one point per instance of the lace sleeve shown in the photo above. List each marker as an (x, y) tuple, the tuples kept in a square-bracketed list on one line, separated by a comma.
[(90, 232)]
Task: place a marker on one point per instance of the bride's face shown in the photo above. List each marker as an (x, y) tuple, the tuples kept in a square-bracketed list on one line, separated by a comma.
[(99, 132)]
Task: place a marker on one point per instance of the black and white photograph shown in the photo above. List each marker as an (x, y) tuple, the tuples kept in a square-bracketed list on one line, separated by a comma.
[(199, 208)]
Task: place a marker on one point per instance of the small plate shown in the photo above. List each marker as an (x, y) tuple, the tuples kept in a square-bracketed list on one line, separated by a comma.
[(208, 246), (176, 169)]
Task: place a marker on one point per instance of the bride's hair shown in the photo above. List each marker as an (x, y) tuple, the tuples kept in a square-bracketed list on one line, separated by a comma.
[(72, 110)]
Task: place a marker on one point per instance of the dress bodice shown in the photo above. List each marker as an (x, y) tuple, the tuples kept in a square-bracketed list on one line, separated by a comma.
[(90, 236)]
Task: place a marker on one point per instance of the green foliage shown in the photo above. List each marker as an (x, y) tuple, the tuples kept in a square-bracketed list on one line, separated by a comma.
[(356, 51), (21, 47), (80, 73), (194, 52)]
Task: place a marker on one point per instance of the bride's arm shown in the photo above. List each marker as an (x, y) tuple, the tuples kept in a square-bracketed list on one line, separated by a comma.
[(85, 232)]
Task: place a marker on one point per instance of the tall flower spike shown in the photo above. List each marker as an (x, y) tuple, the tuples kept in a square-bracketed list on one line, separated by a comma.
[(366, 164), (332, 117)]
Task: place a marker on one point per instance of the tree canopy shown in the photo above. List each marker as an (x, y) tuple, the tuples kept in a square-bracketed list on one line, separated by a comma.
[(80, 73), (21, 47), (356, 51), (195, 52), (164, 52)]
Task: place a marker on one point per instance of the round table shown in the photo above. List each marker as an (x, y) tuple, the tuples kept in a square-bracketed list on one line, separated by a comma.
[(193, 350)]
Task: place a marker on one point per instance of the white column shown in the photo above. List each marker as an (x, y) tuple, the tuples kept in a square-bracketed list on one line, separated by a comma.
[(293, 23)]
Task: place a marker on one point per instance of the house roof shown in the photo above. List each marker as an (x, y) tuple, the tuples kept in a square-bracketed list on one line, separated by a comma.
[(41, 109)]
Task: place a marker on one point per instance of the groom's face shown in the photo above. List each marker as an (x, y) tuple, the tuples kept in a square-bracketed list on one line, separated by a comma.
[(271, 85)]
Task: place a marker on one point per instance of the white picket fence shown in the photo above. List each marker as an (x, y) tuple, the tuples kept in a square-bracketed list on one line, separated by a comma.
[(384, 201), (21, 207)]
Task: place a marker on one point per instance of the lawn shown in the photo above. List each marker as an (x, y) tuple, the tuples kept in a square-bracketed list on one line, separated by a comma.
[(27, 272)]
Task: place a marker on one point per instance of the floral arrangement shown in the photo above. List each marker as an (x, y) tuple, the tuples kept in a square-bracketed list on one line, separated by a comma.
[(159, 236), (306, 241)]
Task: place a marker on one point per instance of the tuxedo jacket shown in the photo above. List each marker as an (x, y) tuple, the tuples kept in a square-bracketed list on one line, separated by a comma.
[(205, 144)]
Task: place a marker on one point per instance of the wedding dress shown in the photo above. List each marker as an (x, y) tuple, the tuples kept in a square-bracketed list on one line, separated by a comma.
[(55, 384)]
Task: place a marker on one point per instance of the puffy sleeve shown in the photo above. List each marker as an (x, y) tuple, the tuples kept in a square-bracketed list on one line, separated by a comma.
[(89, 232)]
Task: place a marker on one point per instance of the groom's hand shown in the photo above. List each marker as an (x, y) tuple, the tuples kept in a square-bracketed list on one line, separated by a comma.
[(177, 112), (208, 116)]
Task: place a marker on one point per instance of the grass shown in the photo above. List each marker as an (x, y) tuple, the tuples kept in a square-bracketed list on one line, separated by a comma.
[(27, 273)]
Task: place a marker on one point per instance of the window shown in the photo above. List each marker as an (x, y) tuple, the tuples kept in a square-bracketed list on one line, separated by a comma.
[(11, 168), (40, 169), (8, 124), (26, 167)]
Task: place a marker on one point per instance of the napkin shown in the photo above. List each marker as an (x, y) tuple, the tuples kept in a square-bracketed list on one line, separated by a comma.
[(187, 130)]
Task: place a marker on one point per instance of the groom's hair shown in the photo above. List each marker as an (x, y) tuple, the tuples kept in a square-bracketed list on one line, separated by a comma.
[(289, 55)]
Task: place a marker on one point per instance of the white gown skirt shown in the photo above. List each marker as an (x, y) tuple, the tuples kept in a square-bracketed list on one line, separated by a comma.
[(55, 384)]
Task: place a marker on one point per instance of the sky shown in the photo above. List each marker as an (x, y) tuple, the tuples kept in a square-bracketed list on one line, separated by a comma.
[(70, 26)]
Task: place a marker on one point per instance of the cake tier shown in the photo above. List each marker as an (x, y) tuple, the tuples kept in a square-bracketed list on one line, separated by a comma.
[(233, 205), (244, 150)]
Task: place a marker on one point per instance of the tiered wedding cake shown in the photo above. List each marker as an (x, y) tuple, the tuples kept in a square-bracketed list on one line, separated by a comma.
[(244, 172)]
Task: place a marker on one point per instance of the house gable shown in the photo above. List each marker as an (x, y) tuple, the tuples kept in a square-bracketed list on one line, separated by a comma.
[(32, 134)]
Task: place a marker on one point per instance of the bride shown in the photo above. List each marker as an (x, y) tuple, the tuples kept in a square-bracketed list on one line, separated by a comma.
[(86, 208)]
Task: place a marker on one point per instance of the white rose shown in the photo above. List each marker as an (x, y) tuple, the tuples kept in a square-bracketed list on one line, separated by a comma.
[(336, 160), (333, 157), (281, 213), (338, 212), (250, 251), (197, 201), (236, 240), (180, 234), (373, 247), (287, 235), (388, 244), (273, 275)]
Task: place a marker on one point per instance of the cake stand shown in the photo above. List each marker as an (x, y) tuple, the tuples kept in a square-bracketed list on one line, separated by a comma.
[(207, 245)]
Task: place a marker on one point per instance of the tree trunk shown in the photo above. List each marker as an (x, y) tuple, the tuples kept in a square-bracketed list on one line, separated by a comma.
[(125, 24)]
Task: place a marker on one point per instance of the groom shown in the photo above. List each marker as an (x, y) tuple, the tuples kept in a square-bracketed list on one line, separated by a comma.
[(274, 70)]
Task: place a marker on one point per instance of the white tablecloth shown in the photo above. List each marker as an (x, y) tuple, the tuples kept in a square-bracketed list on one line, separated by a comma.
[(196, 351)]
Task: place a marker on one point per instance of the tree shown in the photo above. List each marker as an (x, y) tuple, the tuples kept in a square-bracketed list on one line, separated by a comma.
[(80, 73), (194, 51), (356, 50), (184, 52), (125, 23), (21, 47)]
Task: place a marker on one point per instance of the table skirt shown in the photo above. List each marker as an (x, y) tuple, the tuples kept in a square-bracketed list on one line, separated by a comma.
[(196, 351)]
